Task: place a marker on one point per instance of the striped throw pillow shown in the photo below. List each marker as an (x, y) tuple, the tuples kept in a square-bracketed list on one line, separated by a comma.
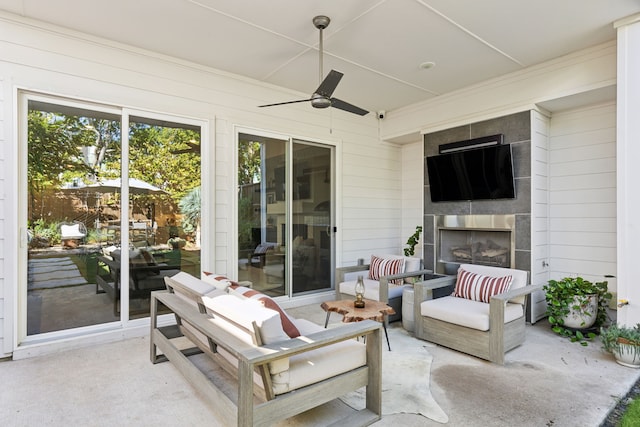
[(478, 287), (218, 280), (384, 267)]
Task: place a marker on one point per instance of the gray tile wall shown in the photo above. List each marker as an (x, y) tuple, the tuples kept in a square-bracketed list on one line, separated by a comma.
[(516, 129)]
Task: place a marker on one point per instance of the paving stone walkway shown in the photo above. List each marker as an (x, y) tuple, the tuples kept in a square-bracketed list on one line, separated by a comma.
[(45, 273)]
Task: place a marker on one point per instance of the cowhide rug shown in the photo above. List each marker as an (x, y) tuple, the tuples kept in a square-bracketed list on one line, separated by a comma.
[(406, 371)]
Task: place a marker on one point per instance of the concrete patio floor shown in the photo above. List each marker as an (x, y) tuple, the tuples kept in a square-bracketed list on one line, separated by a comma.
[(548, 381)]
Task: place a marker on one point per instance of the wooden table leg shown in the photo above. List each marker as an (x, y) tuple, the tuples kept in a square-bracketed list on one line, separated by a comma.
[(384, 326)]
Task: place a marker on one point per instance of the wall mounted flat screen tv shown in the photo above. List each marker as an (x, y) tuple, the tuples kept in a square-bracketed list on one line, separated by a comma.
[(476, 174)]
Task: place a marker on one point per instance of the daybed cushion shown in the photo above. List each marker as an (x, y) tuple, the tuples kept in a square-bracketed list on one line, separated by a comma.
[(288, 373), (198, 286), (466, 312), (287, 324), (244, 312), (218, 280), (324, 362)]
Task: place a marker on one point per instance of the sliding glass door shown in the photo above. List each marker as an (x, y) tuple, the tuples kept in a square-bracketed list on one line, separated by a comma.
[(311, 217), (107, 214), (69, 149), (285, 212)]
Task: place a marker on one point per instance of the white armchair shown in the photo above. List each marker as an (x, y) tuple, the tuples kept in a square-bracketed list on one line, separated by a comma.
[(485, 329), (72, 233), (387, 288)]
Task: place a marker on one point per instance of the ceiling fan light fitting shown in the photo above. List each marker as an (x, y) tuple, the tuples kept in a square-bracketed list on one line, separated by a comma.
[(319, 101)]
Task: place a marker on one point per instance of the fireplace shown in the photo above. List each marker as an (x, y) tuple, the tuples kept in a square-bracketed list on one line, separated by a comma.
[(474, 239)]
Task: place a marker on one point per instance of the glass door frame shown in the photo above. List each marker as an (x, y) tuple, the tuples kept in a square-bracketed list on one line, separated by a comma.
[(290, 141), (20, 316)]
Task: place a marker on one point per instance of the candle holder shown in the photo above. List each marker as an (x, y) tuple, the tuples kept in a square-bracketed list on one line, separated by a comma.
[(359, 302)]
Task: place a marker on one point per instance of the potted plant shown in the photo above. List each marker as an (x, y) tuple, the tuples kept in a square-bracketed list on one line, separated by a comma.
[(412, 242), (577, 307), (623, 342)]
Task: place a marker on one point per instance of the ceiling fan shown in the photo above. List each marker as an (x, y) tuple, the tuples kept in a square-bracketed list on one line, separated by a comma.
[(321, 98)]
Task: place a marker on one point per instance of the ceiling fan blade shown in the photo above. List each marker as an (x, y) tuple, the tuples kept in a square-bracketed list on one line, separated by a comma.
[(283, 103), (342, 105), (329, 83)]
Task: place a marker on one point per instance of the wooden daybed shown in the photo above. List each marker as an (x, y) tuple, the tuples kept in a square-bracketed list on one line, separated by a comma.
[(257, 399)]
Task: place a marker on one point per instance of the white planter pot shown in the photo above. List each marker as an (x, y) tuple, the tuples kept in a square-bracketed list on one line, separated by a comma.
[(586, 317), (627, 355)]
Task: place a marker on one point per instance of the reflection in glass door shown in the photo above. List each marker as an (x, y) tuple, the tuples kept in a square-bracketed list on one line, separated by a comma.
[(164, 206), (69, 149), (79, 236), (285, 235), (261, 213), (311, 225)]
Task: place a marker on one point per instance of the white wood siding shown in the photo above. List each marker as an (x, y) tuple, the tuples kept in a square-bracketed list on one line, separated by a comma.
[(539, 211), (371, 200), (4, 303), (582, 196), (52, 60)]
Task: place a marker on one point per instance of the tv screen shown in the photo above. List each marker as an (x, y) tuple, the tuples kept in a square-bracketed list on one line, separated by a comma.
[(477, 174)]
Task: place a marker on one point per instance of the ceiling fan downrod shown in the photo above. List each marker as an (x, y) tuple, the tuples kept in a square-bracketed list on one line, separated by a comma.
[(321, 22)]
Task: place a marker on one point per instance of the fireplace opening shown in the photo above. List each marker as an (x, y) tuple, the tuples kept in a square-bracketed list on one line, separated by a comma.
[(474, 239)]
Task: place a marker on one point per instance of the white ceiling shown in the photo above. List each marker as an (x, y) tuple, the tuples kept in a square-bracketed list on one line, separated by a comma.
[(378, 45)]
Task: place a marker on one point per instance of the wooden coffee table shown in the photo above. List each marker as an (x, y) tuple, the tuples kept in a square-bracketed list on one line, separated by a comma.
[(373, 310)]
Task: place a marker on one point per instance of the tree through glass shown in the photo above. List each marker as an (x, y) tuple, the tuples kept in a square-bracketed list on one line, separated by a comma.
[(75, 218), (285, 235)]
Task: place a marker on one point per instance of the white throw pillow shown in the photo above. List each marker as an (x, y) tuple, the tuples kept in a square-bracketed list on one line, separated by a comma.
[(244, 311)]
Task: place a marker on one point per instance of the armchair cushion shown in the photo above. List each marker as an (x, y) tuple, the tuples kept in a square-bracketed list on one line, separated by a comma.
[(466, 312), (371, 289), (411, 264), (520, 277), (385, 267), (478, 287)]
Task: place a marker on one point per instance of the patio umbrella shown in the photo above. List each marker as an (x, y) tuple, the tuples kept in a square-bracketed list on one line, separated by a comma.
[(136, 186)]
